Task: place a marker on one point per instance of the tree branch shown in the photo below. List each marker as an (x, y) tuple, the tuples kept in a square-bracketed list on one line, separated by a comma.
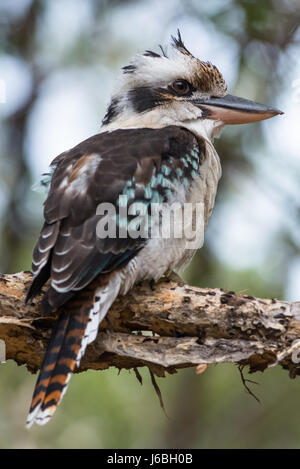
[(166, 327)]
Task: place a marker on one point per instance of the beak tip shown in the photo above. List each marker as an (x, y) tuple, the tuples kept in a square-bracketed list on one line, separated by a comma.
[(276, 111)]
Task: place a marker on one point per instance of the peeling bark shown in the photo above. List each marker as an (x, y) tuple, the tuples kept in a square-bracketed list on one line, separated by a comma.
[(166, 327)]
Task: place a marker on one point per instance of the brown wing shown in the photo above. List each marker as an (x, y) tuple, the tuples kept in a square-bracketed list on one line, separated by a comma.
[(97, 170)]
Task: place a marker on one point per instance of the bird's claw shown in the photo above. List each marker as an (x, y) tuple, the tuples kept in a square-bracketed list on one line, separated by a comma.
[(174, 277)]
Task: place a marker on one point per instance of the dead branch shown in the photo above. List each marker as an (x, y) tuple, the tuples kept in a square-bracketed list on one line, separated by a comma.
[(166, 327)]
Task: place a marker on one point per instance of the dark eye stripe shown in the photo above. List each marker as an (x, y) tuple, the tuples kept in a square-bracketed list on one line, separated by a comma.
[(144, 98)]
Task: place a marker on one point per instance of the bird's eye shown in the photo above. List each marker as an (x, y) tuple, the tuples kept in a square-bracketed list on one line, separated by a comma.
[(181, 87)]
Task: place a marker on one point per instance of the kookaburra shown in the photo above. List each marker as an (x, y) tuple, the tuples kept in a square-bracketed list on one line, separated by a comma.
[(154, 146)]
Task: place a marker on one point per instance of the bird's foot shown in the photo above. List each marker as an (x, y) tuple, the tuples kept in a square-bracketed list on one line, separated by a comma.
[(109, 322), (174, 277)]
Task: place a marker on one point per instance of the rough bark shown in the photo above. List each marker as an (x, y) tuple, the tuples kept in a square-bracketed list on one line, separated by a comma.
[(166, 327)]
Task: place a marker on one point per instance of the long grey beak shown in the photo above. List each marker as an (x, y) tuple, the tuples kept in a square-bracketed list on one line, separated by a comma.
[(233, 110)]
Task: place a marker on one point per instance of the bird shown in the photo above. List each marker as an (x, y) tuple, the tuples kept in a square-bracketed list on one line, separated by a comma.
[(155, 146)]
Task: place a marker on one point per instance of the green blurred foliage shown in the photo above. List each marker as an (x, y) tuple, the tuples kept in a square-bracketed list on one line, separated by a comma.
[(104, 409)]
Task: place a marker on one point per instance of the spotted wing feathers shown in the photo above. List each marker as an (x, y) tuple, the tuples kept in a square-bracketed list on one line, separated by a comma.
[(99, 170)]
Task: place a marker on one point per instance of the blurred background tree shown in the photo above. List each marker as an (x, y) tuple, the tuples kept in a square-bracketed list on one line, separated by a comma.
[(58, 62)]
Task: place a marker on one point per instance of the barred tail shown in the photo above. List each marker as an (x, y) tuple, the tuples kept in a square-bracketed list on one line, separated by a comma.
[(76, 327)]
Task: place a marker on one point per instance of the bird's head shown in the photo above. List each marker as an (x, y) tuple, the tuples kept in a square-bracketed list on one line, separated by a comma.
[(156, 90)]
